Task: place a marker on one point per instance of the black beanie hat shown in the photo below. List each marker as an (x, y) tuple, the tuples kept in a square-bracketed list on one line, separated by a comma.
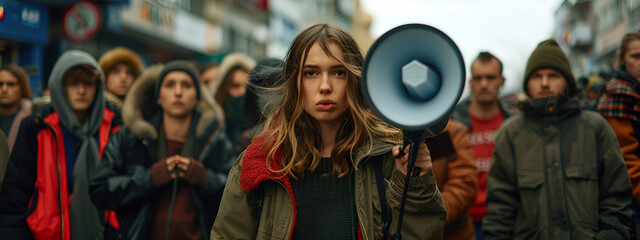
[(179, 65), (548, 54)]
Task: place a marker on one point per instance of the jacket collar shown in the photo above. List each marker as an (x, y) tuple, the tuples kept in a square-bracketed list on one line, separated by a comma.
[(624, 84), (552, 109), (254, 165), (370, 149), (461, 111), (111, 98), (624, 75), (463, 107)]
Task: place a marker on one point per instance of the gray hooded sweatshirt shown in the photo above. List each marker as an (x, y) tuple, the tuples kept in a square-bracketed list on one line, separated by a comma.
[(85, 220)]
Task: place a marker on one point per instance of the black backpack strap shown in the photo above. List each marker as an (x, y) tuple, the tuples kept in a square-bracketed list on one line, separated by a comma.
[(260, 200), (382, 194)]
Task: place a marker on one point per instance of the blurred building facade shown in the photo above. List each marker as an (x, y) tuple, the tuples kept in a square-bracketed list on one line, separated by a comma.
[(289, 17), (33, 33), (590, 32)]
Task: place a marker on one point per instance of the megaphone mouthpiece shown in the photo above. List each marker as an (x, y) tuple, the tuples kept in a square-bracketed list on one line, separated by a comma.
[(421, 81)]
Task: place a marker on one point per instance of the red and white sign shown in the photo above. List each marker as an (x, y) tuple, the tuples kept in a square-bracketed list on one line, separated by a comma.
[(81, 21)]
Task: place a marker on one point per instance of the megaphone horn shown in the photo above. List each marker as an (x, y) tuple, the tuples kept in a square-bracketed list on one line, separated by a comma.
[(412, 78)]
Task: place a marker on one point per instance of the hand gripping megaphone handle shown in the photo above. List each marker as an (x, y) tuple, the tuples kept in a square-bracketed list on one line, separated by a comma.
[(412, 138), (409, 137)]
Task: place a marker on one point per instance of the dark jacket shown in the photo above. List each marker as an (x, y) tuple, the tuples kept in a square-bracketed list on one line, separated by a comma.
[(4, 156), (25, 110), (123, 179), (29, 203), (557, 173), (8, 139)]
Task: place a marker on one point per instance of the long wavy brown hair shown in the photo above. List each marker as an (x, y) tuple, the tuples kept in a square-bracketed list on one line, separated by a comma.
[(290, 129)]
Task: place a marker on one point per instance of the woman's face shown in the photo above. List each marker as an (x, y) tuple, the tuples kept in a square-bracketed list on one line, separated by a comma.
[(178, 95), (119, 79), (324, 84), (238, 83), (208, 76), (631, 59)]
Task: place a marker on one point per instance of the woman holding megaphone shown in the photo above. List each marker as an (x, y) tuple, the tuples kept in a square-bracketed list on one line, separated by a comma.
[(325, 167)]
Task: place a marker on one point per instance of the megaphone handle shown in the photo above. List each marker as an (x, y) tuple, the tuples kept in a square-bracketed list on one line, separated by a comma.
[(413, 152)]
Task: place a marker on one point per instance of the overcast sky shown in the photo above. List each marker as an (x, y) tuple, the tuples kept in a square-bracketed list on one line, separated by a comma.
[(510, 29)]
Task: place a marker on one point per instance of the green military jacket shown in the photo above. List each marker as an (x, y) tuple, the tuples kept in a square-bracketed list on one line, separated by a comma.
[(557, 173), (250, 186)]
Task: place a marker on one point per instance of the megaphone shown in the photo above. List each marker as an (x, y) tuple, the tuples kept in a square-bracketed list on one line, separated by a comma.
[(412, 78)]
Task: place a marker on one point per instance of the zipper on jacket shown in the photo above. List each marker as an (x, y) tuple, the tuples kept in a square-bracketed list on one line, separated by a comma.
[(355, 196), (55, 136), (362, 225), (362, 228), (292, 210), (545, 140)]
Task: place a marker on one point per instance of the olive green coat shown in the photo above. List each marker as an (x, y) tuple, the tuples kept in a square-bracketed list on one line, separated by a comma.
[(238, 218), (557, 173)]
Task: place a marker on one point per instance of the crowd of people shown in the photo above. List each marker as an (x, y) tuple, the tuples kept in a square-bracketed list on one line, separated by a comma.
[(289, 149)]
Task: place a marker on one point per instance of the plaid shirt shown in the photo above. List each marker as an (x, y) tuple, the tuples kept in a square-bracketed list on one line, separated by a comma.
[(621, 100)]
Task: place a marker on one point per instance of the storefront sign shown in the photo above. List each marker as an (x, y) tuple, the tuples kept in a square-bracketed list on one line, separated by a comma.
[(24, 21)]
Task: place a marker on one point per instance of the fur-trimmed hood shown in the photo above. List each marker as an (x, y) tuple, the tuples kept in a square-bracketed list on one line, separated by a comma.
[(111, 98), (140, 106), (121, 55), (231, 61)]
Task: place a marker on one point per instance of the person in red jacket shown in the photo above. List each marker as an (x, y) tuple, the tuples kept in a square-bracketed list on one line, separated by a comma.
[(45, 193)]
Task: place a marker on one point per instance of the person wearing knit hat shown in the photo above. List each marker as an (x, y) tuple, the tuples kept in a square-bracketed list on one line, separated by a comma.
[(554, 163), (549, 55), (174, 139), (121, 67), (182, 66)]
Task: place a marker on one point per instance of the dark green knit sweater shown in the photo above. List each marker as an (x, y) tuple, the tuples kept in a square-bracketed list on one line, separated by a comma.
[(326, 206)]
